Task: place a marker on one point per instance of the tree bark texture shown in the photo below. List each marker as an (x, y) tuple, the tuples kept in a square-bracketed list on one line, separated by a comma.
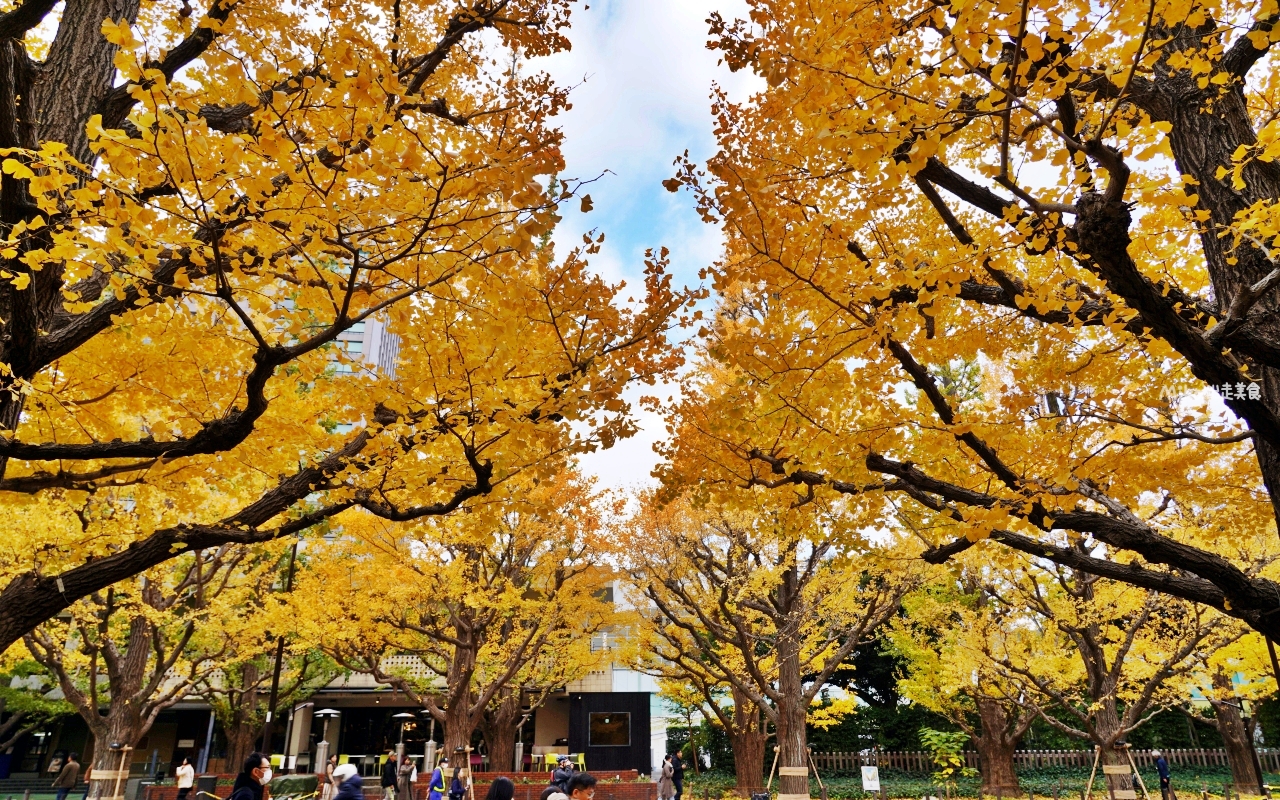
[(500, 726), (996, 746), (792, 705), (1235, 736), (748, 738)]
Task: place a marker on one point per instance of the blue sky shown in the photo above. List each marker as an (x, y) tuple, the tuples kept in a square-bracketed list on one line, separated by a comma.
[(643, 80)]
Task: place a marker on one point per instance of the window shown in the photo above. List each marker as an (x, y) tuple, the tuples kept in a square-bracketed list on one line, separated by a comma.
[(609, 729)]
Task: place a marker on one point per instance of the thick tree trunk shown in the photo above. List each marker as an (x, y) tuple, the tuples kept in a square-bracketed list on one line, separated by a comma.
[(458, 725), (1208, 126), (748, 761), (499, 727), (240, 742), (748, 738), (995, 750), (1106, 733), (791, 706), (1235, 740)]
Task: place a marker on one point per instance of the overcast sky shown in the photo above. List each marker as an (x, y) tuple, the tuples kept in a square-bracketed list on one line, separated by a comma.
[(644, 78)]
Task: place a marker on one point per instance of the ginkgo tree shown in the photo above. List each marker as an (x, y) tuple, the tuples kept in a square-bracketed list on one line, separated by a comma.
[(197, 201), (124, 655), (495, 606), (739, 592), (940, 639), (1078, 201)]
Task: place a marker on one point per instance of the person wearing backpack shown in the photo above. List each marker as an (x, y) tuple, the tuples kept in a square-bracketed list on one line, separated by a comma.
[(562, 774)]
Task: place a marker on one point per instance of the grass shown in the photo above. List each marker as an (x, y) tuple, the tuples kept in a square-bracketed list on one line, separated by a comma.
[(1066, 783)]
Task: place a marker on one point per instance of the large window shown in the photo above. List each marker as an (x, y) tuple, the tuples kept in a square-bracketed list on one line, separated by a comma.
[(610, 730)]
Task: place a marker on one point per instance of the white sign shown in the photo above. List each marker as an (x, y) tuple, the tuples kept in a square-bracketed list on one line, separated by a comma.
[(870, 779), (184, 743)]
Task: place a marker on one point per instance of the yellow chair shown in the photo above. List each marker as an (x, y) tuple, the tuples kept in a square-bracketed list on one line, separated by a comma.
[(550, 760), (343, 759), (277, 761), (580, 761)]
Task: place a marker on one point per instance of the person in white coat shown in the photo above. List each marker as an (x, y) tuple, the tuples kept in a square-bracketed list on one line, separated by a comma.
[(186, 775)]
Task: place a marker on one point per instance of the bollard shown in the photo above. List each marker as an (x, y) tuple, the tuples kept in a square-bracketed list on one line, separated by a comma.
[(26, 795)]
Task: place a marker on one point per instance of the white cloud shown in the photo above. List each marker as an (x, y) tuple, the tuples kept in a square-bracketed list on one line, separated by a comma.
[(643, 80)]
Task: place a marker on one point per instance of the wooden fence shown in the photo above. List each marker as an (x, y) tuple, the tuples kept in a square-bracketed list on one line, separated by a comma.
[(920, 761)]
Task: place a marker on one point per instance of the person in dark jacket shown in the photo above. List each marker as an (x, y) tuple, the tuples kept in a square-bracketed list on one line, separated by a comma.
[(390, 775), (350, 784), (1162, 769), (66, 780), (677, 773), (563, 773), (251, 783)]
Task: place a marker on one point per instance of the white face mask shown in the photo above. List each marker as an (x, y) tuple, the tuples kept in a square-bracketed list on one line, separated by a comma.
[(266, 776)]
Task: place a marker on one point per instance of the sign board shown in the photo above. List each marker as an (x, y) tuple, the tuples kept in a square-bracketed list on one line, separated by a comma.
[(870, 779), (184, 743)]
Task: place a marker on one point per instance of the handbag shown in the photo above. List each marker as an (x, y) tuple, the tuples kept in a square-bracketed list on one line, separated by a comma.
[(765, 795)]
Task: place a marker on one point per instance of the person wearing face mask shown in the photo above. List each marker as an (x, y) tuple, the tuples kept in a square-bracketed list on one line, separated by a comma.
[(251, 783)]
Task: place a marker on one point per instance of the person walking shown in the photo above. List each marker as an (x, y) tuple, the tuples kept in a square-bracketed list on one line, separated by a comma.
[(67, 776), (390, 775), (666, 784), (408, 774), (186, 775), (251, 783), (1162, 769), (350, 784), (677, 770)]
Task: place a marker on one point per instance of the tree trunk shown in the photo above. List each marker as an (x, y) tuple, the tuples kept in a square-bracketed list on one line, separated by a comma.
[(791, 705), (458, 726), (748, 738), (748, 761), (1106, 733), (240, 742), (1235, 740), (499, 727), (995, 750), (1208, 126)]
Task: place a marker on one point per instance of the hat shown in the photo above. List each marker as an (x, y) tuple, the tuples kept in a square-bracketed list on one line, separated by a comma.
[(444, 759), (344, 771), (557, 796), (564, 760)]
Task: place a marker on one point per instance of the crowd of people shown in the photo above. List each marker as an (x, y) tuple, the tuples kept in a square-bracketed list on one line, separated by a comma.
[(399, 774)]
